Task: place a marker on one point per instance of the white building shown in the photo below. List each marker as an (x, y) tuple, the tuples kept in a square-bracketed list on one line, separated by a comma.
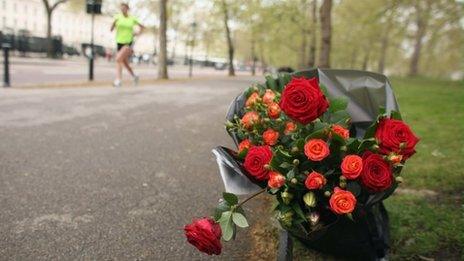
[(73, 26)]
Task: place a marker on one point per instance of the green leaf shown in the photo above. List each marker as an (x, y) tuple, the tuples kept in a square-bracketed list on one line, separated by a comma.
[(396, 115), (324, 90), (286, 165), (227, 226), (230, 198), (338, 104), (290, 174), (339, 117), (296, 207), (239, 220), (223, 206), (271, 82)]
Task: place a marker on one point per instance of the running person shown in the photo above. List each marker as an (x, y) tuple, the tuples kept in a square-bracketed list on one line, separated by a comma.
[(124, 24)]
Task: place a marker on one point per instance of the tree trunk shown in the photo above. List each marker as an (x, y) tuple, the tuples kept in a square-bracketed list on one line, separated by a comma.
[(49, 34), (230, 45), (163, 56), (383, 52), (366, 60), (263, 61), (304, 42), (326, 33), (253, 56), (312, 41), (421, 23)]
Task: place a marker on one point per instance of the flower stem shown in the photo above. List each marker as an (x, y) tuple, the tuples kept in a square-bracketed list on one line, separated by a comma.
[(252, 196)]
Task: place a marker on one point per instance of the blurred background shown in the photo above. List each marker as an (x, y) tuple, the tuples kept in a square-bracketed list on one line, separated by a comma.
[(395, 37)]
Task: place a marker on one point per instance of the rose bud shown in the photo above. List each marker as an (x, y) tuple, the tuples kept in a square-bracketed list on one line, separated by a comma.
[(229, 124), (252, 99), (351, 166), (310, 199), (395, 159), (315, 180), (313, 218), (342, 201), (399, 179), (340, 131), (294, 181), (296, 162), (289, 127), (375, 147), (244, 145), (250, 119), (327, 193), (276, 180), (342, 184), (273, 110), (295, 149), (286, 218), (204, 234), (316, 149), (270, 137), (269, 97), (286, 197)]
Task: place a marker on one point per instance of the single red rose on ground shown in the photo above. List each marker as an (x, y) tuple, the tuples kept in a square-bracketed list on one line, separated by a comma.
[(395, 136), (376, 174), (255, 161), (316, 149), (204, 234), (341, 131), (315, 180), (268, 97), (342, 201), (302, 100), (270, 137), (276, 180), (252, 99), (249, 119), (351, 166), (273, 110), (244, 145), (289, 127)]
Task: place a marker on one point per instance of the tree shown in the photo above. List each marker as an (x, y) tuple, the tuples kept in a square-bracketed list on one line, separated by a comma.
[(49, 8), (230, 45), (163, 53), (326, 33), (422, 9), (312, 41)]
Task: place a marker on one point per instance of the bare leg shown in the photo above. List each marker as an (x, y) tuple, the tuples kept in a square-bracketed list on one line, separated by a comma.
[(128, 67)]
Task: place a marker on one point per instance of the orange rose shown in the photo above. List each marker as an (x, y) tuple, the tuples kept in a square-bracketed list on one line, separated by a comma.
[(273, 110), (276, 180), (342, 201), (289, 127), (341, 131), (315, 180), (270, 137), (252, 99), (316, 149), (352, 166), (244, 145), (268, 97), (249, 119)]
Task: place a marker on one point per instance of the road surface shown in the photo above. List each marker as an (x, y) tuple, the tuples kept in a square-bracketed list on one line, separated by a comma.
[(40, 71), (111, 174)]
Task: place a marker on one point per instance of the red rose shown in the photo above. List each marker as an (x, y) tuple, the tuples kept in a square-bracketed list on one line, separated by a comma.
[(376, 174), (249, 119), (256, 158), (351, 166), (252, 99), (204, 234), (342, 201), (303, 101), (273, 110), (276, 180), (341, 131), (315, 180), (395, 136), (270, 137), (289, 127), (316, 149), (244, 145), (268, 97)]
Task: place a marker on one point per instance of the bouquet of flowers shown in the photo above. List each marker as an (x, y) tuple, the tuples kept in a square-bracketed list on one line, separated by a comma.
[(296, 142)]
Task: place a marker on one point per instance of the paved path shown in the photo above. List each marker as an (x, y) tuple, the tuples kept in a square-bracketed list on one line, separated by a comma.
[(104, 173)]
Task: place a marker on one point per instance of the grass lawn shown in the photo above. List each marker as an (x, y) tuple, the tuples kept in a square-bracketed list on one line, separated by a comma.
[(427, 215)]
